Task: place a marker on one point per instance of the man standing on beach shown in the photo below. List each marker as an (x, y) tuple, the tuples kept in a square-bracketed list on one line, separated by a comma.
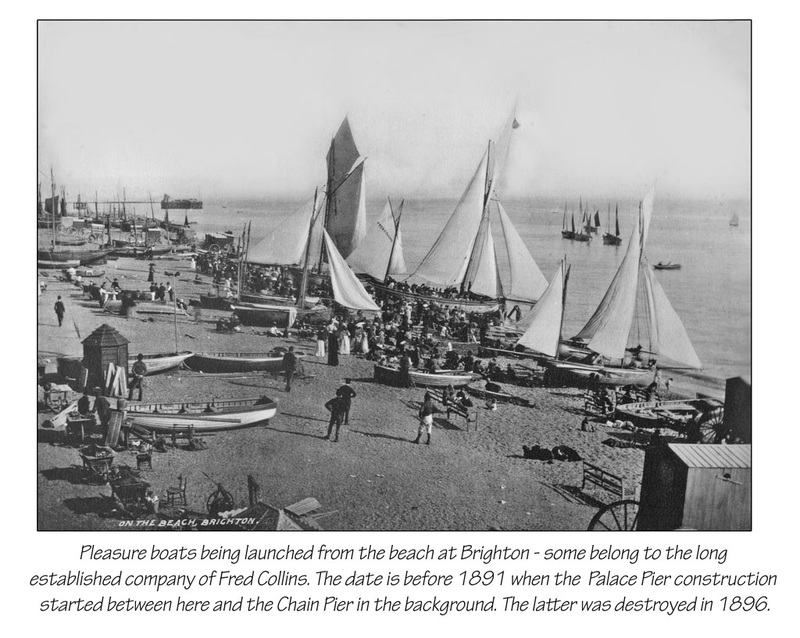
[(336, 407), (138, 370), (60, 310), (426, 412), (103, 408), (289, 366), (347, 394)]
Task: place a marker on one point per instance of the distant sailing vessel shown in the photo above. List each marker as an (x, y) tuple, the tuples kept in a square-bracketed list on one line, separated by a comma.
[(567, 232), (667, 265), (734, 220), (464, 254), (608, 238)]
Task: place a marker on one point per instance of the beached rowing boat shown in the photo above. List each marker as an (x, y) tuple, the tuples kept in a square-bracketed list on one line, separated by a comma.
[(162, 362), (440, 379), (215, 416), (236, 362), (653, 414)]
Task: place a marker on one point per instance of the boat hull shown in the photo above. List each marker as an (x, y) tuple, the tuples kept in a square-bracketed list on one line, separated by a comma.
[(233, 362), (606, 375), (83, 256), (157, 363), (229, 415), (468, 305), (612, 240), (392, 376), (265, 316)]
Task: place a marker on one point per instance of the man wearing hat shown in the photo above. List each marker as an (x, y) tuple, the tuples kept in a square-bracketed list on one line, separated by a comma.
[(347, 394), (103, 408), (138, 370), (289, 367)]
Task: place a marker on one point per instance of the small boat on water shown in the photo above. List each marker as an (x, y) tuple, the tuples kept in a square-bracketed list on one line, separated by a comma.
[(668, 265), (214, 416), (441, 379), (608, 238), (734, 220), (157, 363), (236, 362)]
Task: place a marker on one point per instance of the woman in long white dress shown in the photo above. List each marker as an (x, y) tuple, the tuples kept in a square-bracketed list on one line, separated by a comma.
[(322, 337), (344, 340)]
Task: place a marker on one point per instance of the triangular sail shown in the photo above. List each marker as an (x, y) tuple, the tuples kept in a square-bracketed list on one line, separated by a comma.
[(397, 266), (668, 337), (347, 289), (607, 330), (345, 218), (544, 327), (372, 254), (447, 260), (527, 283), (286, 244), (483, 277)]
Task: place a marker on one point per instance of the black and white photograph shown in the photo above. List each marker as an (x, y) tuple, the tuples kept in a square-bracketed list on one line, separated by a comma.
[(451, 275)]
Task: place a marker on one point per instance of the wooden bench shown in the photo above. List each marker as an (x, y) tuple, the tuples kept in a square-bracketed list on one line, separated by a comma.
[(470, 415), (604, 479)]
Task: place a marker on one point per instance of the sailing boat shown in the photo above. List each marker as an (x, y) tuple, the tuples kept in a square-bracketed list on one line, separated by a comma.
[(546, 320), (380, 253), (584, 234), (593, 226), (463, 258), (565, 232), (734, 220), (608, 238), (656, 328)]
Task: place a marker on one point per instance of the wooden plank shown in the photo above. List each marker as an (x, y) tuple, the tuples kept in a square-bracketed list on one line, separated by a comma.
[(303, 507), (114, 427)]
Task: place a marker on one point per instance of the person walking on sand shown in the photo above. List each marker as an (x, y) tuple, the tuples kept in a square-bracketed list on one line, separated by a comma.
[(333, 345), (60, 310), (426, 412), (289, 366), (347, 394), (336, 406), (138, 370), (151, 273)]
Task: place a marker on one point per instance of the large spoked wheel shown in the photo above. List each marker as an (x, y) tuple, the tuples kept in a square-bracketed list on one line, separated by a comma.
[(620, 516), (214, 249), (711, 427)]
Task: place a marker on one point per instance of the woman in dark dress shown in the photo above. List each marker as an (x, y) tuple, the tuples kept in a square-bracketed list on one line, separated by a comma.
[(333, 348)]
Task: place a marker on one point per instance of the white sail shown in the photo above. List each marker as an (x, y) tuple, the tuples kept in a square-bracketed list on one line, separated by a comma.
[(447, 260), (607, 330), (527, 283), (668, 337), (544, 321), (372, 254), (347, 289), (345, 218), (483, 277), (286, 244), (398, 266)]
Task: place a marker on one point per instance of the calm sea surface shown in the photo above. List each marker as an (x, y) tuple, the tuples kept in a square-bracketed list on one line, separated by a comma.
[(711, 292)]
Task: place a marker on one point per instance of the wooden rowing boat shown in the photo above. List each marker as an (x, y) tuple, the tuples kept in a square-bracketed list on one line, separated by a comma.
[(46, 264), (157, 363), (606, 375), (440, 379), (653, 414), (215, 416), (236, 362)]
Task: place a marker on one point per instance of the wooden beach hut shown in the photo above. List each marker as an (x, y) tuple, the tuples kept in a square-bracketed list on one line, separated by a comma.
[(105, 345)]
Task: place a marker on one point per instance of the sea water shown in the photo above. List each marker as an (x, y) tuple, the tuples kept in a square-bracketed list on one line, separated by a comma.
[(711, 293)]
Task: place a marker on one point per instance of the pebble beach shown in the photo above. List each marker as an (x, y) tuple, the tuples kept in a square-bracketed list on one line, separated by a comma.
[(471, 477)]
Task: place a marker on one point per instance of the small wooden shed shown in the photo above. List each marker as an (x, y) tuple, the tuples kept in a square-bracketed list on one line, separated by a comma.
[(105, 345), (696, 486)]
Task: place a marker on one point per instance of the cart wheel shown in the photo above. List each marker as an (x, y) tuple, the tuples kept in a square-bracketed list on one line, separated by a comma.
[(94, 239), (213, 249), (620, 516), (711, 427), (72, 231), (86, 232)]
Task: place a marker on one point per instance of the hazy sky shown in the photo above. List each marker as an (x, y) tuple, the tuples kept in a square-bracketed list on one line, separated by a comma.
[(230, 109)]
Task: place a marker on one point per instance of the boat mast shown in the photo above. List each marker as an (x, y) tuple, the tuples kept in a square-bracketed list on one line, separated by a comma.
[(304, 280), (563, 305), (394, 240), (53, 204), (616, 212)]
